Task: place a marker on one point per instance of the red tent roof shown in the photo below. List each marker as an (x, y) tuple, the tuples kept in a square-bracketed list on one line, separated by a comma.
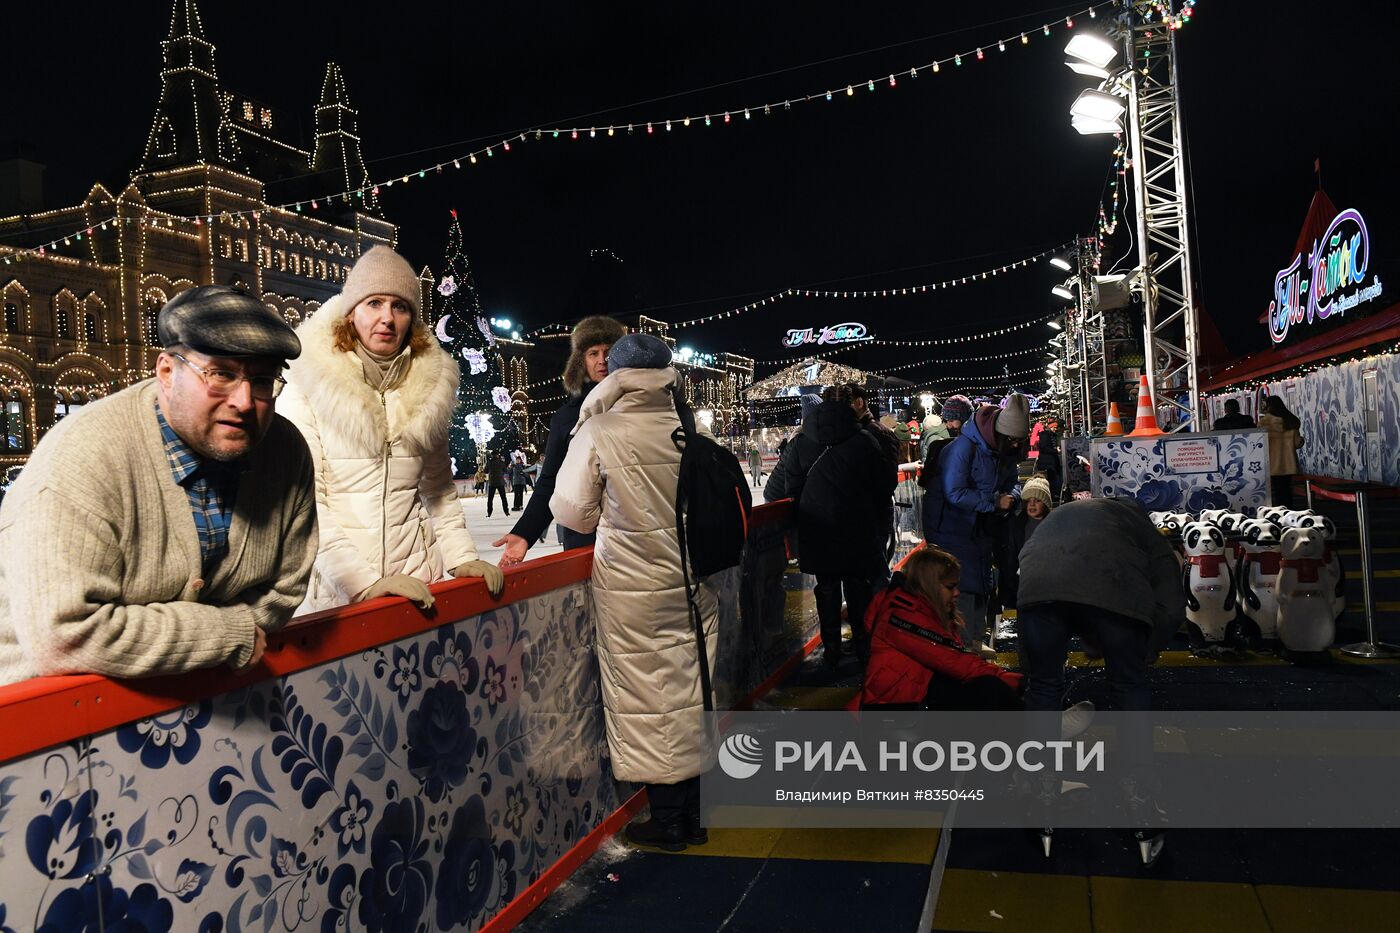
[(1382, 327), (1320, 214)]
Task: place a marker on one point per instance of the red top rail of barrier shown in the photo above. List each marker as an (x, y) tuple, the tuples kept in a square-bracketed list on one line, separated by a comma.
[(46, 711), (1374, 490)]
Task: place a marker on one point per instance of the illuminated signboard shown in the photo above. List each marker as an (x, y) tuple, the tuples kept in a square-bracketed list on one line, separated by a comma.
[(1335, 277), (850, 332)]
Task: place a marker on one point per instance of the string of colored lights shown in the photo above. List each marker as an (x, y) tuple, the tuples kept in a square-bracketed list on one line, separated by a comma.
[(1107, 221), (1032, 371), (371, 190), (790, 360), (921, 288), (968, 338)]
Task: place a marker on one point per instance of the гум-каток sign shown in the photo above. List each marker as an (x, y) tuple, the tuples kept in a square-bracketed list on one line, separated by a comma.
[(1335, 283)]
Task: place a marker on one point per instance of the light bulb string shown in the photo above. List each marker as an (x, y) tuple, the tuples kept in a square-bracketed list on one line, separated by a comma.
[(808, 292), (504, 143)]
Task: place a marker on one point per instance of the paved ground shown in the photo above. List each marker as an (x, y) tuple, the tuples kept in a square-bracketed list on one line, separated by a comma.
[(996, 880)]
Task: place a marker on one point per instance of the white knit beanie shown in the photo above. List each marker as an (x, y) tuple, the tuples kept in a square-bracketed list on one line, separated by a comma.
[(1038, 487), (381, 271)]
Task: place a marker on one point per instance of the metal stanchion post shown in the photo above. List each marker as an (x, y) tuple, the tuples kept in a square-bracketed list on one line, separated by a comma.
[(1307, 484), (1370, 648)]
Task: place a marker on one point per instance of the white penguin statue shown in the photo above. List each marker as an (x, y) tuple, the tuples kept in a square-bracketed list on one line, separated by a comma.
[(1336, 575), (1258, 575), (1305, 619), (1208, 582)]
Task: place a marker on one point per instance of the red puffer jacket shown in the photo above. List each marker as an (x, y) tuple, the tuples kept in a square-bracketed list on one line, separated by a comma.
[(910, 645)]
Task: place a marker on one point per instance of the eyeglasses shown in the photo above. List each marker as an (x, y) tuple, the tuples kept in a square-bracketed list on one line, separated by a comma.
[(224, 382)]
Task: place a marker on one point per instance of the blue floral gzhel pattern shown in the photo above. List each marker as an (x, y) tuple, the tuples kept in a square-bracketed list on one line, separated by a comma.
[(1136, 468), (1331, 405), (419, 786)]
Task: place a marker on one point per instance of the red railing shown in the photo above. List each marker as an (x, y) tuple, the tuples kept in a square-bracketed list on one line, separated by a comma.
[(46, 711)]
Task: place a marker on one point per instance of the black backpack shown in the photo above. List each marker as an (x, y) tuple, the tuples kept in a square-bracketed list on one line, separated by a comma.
[(713, 503)]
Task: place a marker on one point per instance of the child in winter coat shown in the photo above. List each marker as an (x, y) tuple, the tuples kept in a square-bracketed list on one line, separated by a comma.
[(917, 656)]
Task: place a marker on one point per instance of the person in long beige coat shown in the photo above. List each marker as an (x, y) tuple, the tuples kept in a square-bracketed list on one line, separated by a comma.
[(373, 393), (1285, 437), (620, 477)]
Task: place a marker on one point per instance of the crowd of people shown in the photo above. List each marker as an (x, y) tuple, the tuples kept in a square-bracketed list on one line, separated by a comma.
[(265, 471)]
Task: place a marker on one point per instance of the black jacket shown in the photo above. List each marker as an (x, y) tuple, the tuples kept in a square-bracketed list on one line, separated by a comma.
[(1008, 574), (790, 475), (1065, 561), (846, 497), (1235, 422), (496, 471), (535, 520)]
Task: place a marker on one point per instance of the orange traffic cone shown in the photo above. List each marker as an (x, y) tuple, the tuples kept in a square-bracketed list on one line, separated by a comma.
[(1146, 418), (1115, 423)]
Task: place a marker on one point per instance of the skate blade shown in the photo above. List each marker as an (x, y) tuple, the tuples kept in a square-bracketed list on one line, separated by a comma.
[(1151, 848)]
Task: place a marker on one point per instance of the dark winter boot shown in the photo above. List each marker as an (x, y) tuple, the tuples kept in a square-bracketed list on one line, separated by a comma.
[(695, 834), (667, 837)]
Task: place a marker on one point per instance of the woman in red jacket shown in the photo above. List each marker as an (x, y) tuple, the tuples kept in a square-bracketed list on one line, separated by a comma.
[(917, 659)]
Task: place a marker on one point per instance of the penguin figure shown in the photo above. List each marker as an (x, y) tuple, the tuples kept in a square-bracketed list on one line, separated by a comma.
[(1305, 619), (1295, 518), (1230, 524), (1212, 516), (1209, 584), (1258, 575), (1336, 575)]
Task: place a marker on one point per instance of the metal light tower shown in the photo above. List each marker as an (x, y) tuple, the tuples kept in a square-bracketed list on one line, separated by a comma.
[(1147, 30), (1163, 227)]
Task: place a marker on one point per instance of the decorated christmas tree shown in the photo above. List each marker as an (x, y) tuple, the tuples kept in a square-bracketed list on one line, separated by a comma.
[(482, 425)]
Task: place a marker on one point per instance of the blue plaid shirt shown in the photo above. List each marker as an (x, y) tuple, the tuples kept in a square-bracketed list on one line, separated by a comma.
[(212, 488)]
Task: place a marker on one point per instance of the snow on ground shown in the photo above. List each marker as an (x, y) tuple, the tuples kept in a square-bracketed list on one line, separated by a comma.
[(486, 530)]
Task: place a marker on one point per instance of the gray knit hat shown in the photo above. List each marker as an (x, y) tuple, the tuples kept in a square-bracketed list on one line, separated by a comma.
[(956, 409), (221, 320), (381, 271), (1014, 420), (592, 331), (639, 351), (1038, 487), (809, 402)]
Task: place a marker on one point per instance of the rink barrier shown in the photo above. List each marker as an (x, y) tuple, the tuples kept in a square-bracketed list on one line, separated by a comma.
[(1360, 495), (216, 797)]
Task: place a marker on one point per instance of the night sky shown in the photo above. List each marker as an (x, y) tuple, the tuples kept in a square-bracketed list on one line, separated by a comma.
[(942, 176)]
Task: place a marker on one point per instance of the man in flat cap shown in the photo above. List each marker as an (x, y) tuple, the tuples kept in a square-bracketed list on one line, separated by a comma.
[(168, 527)]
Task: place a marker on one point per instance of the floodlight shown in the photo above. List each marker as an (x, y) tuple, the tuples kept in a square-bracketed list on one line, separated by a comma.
[(1091, 49), (1097, 105), (1059, 263), (1090, 127), (1059, 291)]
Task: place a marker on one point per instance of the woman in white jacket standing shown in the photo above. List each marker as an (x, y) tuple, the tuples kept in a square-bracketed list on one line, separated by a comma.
[(620, 477), (373, 393)]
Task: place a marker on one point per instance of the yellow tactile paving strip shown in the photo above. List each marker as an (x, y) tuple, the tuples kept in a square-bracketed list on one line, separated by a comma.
[(903, 846), (1011, 902)]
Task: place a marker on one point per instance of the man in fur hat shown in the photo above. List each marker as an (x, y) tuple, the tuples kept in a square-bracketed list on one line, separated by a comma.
[(592, 338)]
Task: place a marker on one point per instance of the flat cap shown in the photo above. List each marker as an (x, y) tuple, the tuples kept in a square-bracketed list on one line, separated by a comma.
[(221, 320)]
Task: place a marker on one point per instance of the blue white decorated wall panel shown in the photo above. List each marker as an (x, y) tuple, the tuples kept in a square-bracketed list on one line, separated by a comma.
[(420, 785), (1138, 468), (1331, 405), (417, 786)]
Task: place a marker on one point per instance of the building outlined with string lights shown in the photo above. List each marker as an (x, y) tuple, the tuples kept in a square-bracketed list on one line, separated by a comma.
[(201, 208)]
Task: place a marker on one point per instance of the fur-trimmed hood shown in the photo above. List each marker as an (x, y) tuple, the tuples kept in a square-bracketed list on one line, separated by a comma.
[(334, 385)]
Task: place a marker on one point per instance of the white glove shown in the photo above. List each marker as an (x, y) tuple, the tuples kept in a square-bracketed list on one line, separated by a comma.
[(495, 579), (400, 584)]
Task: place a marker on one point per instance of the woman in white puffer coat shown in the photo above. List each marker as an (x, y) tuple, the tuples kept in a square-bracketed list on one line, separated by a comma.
[(374, 393), (620, 477)]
